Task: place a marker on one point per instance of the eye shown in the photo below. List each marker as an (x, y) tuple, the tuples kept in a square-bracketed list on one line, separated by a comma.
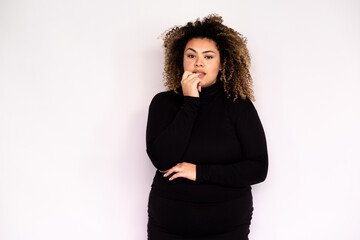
[(191, 56), (209, 57)]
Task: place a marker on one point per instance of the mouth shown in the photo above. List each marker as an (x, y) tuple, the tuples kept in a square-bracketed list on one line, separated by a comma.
[(200, 74)]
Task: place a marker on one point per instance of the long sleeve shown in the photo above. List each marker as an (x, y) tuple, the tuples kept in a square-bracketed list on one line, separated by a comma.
[(253, 166), (169, 128)]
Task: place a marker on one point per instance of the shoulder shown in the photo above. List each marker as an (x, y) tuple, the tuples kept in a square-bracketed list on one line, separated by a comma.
[(166, 99), (239, 106), (241, 110), (165, 96)]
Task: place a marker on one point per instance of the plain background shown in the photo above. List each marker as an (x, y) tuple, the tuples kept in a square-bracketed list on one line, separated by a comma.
[(76, 80)]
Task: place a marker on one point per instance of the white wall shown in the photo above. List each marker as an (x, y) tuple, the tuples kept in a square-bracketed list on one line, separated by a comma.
[(76, 79)]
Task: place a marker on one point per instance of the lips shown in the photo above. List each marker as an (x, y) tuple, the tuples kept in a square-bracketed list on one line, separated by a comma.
[(200, 74)]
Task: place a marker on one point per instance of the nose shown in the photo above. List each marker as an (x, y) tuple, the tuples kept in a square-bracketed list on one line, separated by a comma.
[(199, 62)]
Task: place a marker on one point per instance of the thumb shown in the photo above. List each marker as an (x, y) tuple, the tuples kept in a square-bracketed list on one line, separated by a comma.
[(199, 87)]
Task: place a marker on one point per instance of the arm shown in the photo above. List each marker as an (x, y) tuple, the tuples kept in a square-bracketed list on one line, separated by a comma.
[(253, 166), (169, 129)]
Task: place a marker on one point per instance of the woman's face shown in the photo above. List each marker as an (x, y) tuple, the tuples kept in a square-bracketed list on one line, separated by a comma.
[(202, 56)]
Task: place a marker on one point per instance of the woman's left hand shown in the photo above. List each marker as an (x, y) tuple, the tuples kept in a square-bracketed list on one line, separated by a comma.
[(184, 170)]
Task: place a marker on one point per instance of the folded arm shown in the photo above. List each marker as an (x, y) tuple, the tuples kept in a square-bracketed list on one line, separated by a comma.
[(169, 129), (253, 166)]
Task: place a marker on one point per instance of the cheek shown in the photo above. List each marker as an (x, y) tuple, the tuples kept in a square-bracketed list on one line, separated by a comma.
[(215, 68), (187, 65)]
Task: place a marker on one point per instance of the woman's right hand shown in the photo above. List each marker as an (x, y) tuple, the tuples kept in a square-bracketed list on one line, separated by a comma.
[(191, 84)]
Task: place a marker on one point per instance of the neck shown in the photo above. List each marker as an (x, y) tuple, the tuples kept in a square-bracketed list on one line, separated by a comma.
[(209, 92)]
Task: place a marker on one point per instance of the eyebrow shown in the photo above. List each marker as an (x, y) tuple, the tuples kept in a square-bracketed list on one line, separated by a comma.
[(202, 52)]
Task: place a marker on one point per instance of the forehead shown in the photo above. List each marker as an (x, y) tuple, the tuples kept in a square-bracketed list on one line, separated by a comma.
[(201, 44)]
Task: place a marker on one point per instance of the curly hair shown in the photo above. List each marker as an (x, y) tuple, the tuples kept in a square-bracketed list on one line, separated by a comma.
[(234, 55)]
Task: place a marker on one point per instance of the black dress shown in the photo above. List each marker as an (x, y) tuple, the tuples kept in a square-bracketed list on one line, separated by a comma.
[(227, 143)]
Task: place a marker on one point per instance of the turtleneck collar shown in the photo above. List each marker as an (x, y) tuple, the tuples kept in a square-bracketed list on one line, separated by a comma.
[(210, 92)]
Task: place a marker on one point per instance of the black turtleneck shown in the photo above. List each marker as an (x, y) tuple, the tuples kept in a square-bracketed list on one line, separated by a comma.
[(224, 139)]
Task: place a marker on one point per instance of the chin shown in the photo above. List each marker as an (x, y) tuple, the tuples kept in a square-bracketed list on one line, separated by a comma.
[(207, 84)]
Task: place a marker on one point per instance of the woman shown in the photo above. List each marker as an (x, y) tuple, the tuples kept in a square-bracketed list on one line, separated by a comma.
[(204, 136)]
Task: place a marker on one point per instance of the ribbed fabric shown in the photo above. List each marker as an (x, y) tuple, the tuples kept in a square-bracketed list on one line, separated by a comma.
[(224, 139)]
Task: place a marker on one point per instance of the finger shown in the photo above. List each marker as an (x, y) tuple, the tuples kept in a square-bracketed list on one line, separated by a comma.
[(170, 171), (190, 78), (164, 170), (193, 76), (176, 175), (196, 82), (176, 168), (186, 74)]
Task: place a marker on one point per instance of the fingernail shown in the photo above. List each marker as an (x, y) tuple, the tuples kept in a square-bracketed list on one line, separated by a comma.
[(165, 175)]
